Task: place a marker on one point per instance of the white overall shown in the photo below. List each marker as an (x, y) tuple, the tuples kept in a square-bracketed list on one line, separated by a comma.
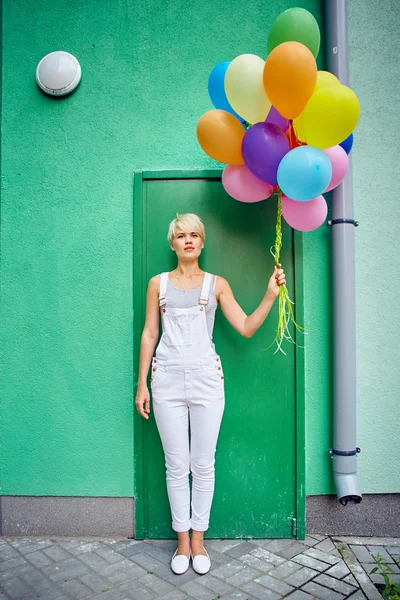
[(188, 387)]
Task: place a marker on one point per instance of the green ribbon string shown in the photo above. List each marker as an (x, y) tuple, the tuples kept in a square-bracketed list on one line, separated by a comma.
[(285, 309)]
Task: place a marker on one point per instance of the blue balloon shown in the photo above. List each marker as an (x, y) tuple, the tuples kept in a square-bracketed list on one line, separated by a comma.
[(304, 173), (347, 144), (216, 89)]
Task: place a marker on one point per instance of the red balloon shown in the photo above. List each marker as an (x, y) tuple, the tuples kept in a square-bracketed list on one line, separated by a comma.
[(291, 136)]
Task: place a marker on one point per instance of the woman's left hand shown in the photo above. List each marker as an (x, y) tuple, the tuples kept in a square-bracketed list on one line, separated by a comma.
[(276, 280)]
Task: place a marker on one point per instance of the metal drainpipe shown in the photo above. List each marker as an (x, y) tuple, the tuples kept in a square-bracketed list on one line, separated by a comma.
[(344, 451)]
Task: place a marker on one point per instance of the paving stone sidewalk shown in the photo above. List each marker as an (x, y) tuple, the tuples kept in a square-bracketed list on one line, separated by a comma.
[(326, 568)]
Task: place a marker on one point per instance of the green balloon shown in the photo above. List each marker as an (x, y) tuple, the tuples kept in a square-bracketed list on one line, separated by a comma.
[(295, 25)]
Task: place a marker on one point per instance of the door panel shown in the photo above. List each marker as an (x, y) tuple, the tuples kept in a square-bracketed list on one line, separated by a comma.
[(255, 489)]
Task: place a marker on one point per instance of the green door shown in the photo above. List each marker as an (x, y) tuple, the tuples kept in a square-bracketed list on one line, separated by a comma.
[(259, 467)]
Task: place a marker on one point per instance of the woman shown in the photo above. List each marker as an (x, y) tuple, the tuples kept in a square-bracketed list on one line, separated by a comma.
[(187, 378)]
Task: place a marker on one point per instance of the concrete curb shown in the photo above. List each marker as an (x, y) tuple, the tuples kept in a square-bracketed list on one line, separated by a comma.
[(357, 571)]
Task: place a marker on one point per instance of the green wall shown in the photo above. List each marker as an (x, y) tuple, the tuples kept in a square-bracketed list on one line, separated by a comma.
[(374, 49), (67, 164)]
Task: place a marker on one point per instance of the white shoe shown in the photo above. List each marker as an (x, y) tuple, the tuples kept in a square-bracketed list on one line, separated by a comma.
[(180, 563), (201, 564)]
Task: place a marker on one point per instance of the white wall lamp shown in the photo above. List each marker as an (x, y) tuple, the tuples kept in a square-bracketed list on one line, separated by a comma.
[(58, 73)]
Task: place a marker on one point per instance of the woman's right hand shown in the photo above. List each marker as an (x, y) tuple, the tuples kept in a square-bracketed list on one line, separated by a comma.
[(143, 401)]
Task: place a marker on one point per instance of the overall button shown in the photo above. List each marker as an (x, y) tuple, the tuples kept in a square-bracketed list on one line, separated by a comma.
[(201, 308)]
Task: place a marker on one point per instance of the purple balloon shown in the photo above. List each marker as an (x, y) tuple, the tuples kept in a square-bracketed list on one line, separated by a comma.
[(275, 118), (263, 147)]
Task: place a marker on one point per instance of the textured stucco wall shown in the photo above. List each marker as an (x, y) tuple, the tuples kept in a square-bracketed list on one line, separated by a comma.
[(374, 45), (67, 229), (373, 50)]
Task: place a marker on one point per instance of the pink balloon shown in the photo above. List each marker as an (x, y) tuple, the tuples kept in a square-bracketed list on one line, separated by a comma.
[(340, 164), (242, 185), (304, 216)]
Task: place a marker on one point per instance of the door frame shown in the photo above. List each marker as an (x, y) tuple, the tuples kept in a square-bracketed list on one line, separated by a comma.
[(139, 267)]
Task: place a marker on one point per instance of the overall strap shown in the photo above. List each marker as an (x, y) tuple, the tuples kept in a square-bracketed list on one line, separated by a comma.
[(163, 289), (205, 289)]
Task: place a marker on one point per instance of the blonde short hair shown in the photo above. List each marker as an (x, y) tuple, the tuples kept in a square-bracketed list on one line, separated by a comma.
[(188, 222)]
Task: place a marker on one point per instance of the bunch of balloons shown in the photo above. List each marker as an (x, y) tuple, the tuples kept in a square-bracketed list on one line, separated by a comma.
[(279, 124), (283, 128)]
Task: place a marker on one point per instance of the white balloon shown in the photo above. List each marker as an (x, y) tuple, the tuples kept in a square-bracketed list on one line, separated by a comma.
[(244, 88)]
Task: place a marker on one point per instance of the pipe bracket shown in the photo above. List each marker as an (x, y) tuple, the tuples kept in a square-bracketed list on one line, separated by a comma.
[(332, 451), (343, 220)]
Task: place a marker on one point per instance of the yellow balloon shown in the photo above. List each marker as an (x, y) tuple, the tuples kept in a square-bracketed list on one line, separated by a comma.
[(325, 78), (330, 116), (244, 88)]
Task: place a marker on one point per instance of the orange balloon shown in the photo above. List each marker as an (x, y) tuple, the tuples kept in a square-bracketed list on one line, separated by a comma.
[(220, 135), (290, 75)]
